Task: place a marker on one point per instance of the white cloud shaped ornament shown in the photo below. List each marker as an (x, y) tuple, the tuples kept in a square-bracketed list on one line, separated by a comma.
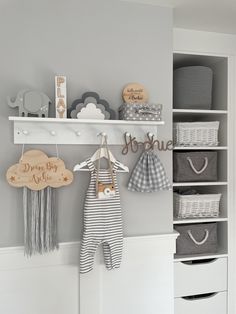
[(91, 112)]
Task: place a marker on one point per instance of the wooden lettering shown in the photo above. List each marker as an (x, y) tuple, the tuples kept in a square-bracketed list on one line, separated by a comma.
[(60, 97), (169, 145), (132, 144), (135, 93), (60, 80), (37, 171)]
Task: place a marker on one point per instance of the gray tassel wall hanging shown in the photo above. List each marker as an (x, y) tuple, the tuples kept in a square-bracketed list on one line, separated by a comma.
[(40, 221), (39, 176)]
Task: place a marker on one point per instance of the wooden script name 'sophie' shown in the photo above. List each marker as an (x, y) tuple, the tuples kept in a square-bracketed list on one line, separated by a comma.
[(132, 144)]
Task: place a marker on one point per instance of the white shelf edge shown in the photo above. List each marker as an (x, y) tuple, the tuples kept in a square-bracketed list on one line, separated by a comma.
[(198, 53), (85, 121), (200, 148), (182, 258), (199, 183), (198, 111), (199, 220)]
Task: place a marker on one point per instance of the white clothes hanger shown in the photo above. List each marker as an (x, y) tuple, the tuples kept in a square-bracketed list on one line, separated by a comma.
[(101, 152), (80, 166)]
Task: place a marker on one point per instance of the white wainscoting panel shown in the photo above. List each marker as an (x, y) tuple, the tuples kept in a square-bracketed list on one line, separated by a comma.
[(51, 284), (43, 284), (143, 285)]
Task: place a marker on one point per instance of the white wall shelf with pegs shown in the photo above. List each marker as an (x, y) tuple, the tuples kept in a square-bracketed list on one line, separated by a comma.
[(28, 130)]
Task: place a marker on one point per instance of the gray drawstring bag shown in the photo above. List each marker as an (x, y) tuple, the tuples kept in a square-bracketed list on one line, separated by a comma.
[(148, 175)]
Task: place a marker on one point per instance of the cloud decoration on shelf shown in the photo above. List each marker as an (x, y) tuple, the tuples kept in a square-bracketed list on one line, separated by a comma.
[(90, 112), (94, 98), (77, 109), (37, 171)]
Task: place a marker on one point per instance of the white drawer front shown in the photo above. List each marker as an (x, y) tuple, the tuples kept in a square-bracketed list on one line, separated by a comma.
[(191, 279), (215, 304)]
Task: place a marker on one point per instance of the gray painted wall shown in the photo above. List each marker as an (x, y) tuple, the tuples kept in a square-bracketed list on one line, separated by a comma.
[(100, 46)]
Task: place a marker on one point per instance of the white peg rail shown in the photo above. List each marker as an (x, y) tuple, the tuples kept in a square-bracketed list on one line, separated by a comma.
[(28, 130)]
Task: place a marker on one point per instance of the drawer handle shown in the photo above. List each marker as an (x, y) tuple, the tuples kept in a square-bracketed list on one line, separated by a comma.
[(199, 242), (200, 296), (193, 167), (199, 261)]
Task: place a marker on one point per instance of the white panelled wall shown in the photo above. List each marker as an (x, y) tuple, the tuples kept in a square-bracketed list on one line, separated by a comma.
[(45, 284), (51, 283)]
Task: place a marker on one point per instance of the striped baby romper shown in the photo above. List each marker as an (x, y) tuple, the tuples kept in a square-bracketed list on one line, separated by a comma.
[(102, 223)]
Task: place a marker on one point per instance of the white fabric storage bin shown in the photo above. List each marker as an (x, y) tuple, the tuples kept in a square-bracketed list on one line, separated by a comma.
[(196, 205), (209, 304), (199, 277), (196, 133)]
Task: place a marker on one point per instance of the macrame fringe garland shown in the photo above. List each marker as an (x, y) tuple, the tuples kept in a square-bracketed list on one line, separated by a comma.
[(40, 221)]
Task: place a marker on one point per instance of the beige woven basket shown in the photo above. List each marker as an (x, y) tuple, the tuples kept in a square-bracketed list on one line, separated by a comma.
[(196, 133)]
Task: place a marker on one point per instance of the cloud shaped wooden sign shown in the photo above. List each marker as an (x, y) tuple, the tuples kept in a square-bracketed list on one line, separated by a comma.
[(37, 171)]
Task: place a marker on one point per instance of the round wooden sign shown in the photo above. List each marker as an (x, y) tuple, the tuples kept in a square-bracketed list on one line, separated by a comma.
[(135, 93)]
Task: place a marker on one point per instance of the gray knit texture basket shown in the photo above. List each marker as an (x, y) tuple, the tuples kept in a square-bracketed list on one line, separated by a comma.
[(193, 87)]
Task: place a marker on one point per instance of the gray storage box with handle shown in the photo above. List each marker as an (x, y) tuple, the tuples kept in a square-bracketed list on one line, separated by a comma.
[(195, 166), (197, 238), (193, 87)]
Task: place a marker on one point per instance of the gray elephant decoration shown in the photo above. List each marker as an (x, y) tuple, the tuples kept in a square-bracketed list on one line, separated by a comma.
[(31, 103)]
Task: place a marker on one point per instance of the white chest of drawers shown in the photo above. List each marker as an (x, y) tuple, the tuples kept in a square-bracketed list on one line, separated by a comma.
[(212, 304), (201, 286)]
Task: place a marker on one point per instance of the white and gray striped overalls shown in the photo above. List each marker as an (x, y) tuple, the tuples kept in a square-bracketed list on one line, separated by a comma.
[(102, 223)]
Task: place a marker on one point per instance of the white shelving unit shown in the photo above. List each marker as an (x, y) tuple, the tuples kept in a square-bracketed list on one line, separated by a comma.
[(201, 148), (198, 220), (196, 111), (186, 184), (185, 258), (28, 130), (219, 112)]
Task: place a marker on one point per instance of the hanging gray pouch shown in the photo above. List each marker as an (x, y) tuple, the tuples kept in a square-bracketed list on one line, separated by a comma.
[(195, 166), (196, 238)]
